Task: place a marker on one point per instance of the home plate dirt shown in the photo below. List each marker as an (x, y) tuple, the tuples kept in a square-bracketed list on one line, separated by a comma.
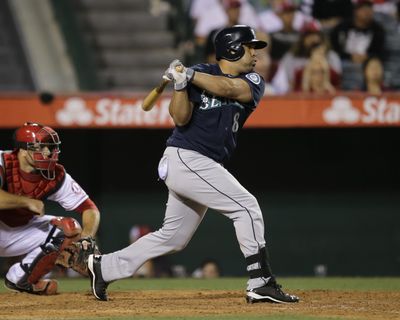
[(372, 305)]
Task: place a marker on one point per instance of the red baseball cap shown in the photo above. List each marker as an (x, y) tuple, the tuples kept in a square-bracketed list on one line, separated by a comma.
[(311, 27), (228, 4)]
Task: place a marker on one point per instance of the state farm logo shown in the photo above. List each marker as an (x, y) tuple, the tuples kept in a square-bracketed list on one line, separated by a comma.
[(341, 110), (112, 112), (74, 112), (373, 111)]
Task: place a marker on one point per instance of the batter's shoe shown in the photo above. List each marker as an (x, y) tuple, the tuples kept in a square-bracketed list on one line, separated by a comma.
[(271, 292), (99, 286), (45, 287)]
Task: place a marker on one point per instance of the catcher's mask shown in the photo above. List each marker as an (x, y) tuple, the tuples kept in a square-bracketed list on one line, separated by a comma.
[(44, 144), (229, 42)]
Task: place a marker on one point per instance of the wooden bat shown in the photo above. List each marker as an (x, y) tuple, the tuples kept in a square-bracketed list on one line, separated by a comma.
[(150, 100)]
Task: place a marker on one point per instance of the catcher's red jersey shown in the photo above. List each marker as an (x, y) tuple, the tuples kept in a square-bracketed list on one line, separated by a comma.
[(63, 189)]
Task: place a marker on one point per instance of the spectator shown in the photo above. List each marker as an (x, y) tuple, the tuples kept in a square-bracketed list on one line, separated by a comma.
[(386, 7), (208, 269), (360, 37), (198, 7), (331, 12), (283, 14), (295, 60), (306, 7), (283, 23), (215, 17), (316, 76), (373, 73)]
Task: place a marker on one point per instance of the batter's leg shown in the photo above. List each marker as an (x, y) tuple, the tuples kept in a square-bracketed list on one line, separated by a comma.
[(213, 186), (182, 217)]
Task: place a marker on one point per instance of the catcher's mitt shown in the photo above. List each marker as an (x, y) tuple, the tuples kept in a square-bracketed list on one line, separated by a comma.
[(75, 255)]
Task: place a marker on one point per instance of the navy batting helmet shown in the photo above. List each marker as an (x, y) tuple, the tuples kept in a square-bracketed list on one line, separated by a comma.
[(229, 42)]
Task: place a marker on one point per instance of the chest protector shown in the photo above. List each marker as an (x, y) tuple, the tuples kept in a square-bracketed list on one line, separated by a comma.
[(39, 189)]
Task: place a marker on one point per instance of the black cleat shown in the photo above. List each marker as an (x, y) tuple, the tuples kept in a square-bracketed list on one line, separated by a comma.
[(45, 287), (12, 286), (98, 285), (271, 292)]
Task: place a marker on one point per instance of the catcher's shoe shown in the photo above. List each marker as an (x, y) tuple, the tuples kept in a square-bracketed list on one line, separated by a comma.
[(99, 286), (46, 287), (271, 292)]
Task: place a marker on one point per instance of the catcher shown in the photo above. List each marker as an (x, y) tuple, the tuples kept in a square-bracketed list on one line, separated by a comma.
[(28, 175)]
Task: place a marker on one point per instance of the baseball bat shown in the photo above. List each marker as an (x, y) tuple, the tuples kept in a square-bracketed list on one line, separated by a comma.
[(152, 97), (150, 100)]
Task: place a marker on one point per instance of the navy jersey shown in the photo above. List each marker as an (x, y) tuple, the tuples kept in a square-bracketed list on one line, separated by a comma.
[(216, 121)]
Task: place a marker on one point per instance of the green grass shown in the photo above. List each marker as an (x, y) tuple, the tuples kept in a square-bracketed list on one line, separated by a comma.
[(333, 283), (330, 283)]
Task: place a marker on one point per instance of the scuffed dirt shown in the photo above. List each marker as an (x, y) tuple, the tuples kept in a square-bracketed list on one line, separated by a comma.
[(186, 303)]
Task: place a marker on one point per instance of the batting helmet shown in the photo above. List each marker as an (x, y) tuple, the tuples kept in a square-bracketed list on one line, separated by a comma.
[(43, 142), (229, 42)]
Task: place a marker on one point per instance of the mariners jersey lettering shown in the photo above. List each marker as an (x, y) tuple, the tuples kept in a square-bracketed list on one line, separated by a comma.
[(216, 121)]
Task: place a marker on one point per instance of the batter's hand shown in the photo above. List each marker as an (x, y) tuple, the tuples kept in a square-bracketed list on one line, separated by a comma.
[(168, 76), (35, 206), (181, 68), (179, 77)]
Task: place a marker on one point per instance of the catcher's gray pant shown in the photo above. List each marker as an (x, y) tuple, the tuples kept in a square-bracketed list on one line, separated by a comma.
[(195, 183)]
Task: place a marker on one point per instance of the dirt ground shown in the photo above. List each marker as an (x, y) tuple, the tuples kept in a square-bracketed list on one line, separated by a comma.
[(180, 303)]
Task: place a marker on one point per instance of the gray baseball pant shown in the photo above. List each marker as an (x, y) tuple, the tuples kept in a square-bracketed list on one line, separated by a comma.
[(195, 183)]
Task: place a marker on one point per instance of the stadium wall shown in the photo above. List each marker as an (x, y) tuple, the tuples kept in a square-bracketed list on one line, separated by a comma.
[(330, 196)]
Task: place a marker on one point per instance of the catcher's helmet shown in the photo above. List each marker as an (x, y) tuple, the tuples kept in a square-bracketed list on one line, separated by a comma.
[(43, 142), (229, 42)]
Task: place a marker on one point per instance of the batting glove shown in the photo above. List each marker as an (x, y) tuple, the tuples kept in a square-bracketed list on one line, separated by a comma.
[(189, 74), (180, 81), (189, 71), (167, 75), (175, 63)]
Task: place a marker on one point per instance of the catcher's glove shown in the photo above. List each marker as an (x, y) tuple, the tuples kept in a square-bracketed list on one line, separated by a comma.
[(75, 255)]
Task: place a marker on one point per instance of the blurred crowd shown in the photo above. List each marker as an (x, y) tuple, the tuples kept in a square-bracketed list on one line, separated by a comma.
[(160, 267), (315, 46)]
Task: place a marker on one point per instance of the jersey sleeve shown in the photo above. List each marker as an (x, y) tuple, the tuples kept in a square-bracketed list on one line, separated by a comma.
[(257, 87), (193, 91), (70, 195)]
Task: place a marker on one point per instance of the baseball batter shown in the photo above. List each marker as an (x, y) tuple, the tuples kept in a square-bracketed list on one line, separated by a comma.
[(29, 174), (209, 106)]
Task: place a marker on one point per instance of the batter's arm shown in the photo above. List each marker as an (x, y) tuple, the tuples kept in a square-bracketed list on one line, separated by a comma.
[(180, 108), (13, 201), (232, 88)]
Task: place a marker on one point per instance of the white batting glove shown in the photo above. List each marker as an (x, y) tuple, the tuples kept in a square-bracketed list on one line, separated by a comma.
[(189, 74), (167, 75), (175, 63), (180, 81), (189, 71)]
